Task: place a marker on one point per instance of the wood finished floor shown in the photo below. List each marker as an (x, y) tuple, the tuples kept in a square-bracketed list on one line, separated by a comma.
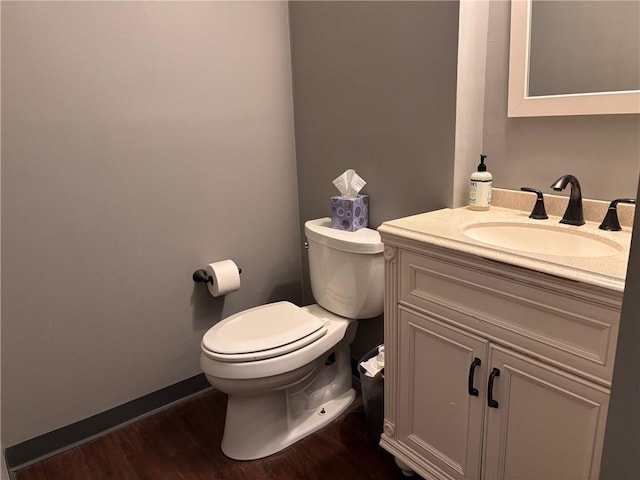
[(183, 443)]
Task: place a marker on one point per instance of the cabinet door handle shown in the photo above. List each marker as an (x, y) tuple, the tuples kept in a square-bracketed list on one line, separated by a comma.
[(472, 370), (490, 401)]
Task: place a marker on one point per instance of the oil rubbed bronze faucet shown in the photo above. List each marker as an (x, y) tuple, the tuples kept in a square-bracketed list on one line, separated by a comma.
[(573, 214), (538, 212), (611, 221)]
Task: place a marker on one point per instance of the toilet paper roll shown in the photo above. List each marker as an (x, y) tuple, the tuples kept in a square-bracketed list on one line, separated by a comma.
[(226, 277)]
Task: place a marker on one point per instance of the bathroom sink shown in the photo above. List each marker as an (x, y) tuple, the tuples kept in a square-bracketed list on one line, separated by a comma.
[(542, 239)]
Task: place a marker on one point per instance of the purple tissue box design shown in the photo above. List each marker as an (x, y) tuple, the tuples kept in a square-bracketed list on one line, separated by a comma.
[(350, 214)]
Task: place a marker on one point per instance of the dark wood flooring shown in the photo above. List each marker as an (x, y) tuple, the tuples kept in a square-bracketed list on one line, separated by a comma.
[(183, 443)]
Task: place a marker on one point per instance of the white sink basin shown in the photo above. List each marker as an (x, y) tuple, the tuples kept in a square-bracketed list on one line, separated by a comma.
[(542, 239)]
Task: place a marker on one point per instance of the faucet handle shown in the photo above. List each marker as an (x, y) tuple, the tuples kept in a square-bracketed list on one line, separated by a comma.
[(539, 212), (611, 221)]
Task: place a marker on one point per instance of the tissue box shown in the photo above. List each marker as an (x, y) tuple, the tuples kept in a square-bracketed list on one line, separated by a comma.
[(350, 214)]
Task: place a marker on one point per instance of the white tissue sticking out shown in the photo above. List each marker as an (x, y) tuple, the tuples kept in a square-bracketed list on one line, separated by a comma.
[(374, 365), (349, 183)]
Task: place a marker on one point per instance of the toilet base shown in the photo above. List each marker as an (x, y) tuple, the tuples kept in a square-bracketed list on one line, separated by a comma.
[(256, 433), (258, 425)]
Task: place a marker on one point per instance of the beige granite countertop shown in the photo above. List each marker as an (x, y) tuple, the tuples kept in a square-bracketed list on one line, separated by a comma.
[(445, 228)]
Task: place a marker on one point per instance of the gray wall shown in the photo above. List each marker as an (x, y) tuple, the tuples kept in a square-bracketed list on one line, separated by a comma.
[(603, 151), (622, 438), (140, 141), (4, 474), (374, 90)]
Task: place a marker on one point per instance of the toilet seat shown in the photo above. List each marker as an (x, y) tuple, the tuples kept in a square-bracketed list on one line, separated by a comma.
[(262, 332)]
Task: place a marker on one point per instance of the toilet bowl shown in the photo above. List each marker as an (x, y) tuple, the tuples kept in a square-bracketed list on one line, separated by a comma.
[(287, 369), (275, 401)]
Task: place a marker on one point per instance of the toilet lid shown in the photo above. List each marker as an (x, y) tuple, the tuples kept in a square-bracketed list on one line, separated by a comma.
[(263, 332), (365, 240)]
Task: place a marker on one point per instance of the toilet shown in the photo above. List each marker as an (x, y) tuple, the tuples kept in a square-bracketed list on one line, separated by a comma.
[(287, 369)]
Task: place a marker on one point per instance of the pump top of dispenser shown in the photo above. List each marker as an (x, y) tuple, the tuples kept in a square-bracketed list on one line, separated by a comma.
[(481, 166)]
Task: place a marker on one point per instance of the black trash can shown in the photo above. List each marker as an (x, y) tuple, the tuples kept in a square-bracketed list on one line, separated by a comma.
[(372, 398)]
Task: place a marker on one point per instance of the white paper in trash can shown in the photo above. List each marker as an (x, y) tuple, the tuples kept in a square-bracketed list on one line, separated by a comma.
[(374, 365)]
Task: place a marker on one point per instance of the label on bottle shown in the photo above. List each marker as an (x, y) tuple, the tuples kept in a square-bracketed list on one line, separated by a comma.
[(480, 193)]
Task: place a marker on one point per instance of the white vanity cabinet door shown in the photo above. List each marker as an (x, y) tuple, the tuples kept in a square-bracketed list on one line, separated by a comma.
[(438, 419), (548, 424), (552, 340)]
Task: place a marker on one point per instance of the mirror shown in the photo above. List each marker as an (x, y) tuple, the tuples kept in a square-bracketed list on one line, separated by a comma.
[(574, 58)]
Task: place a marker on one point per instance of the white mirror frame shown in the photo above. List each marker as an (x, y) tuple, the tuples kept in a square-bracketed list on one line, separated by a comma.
[(522, 105)]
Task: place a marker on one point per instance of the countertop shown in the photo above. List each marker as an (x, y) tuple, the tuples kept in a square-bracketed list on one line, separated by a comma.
[(445, 228)]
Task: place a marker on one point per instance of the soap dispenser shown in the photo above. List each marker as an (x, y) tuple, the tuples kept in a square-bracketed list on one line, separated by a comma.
[(480, 191)]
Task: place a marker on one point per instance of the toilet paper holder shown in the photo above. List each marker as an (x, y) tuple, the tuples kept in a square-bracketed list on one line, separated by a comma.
[(201, 276)]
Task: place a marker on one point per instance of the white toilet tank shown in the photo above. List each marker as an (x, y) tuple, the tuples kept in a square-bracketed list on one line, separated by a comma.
[(346, 269)]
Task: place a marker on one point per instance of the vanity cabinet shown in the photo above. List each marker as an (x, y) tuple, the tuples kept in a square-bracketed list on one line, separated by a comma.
[(493, 371)]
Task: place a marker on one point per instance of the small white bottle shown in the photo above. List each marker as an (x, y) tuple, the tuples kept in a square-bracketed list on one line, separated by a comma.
[(480, 191)]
